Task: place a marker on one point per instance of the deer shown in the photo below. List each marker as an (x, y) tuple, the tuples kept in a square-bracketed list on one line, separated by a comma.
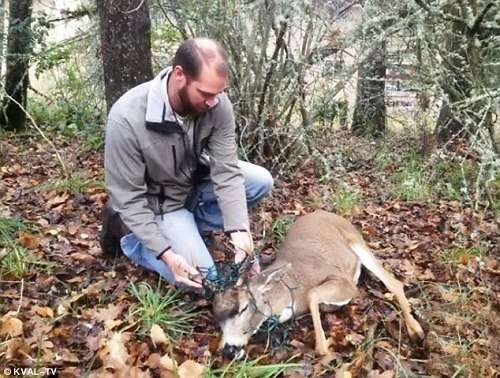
[(318, 264)]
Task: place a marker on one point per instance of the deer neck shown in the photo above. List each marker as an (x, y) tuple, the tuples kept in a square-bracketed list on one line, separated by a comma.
[(279, 299)]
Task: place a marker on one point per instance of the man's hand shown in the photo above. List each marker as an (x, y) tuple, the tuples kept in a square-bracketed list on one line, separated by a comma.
[(182, 271), (243, 247)]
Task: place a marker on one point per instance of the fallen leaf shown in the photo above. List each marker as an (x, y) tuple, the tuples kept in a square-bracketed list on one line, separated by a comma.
[(110, 324), (63, 306), (11, 326), (355, 339), (94, 342), (76, 279), (377, 374), (68, 356), (190, 369), (109, 314), (46, 312), (153, 361), (29, 241), (57, 200), (167, 363), (16, 349), (73, 228), (157, 335), (117, 352), (84, 257)]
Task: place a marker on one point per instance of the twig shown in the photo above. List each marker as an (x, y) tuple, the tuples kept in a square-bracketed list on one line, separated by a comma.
[(47, 98), (479, 19), (135, 9), (21, 296), (37, 128), (71, 15)]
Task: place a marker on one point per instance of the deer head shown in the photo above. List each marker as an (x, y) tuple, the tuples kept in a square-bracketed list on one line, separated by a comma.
[(242, 309)]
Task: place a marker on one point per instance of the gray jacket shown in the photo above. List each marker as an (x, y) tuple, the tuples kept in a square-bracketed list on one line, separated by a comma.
[(151, 161)]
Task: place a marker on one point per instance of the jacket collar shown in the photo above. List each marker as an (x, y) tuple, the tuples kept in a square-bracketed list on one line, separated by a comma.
[(159, 114)]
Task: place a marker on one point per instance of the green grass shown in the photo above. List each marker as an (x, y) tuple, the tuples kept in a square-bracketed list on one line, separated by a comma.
[(161, 307), (41, 265), (383, 157), (461, 255), (279, 228), (9, 227), (16, 261), (248, 369), (346, 199), (425, 180), (453, 180), (411, 182), (74, 184)]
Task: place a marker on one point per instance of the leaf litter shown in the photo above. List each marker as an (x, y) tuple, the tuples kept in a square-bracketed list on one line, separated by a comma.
[(74, 316)]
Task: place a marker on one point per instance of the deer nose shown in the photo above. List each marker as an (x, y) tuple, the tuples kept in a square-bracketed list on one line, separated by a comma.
[(231, 351)]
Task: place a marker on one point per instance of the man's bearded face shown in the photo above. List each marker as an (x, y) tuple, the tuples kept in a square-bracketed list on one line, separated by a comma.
[(189, 106), (198, 95)]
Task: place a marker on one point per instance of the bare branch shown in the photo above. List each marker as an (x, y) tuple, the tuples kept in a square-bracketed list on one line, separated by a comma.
[(40, 131)]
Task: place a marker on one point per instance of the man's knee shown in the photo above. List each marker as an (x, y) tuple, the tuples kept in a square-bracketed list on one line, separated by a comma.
[(266, 181), (258, 182)]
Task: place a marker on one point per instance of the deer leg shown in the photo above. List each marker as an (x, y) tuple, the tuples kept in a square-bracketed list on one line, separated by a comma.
[(395, 287), (335, 292)]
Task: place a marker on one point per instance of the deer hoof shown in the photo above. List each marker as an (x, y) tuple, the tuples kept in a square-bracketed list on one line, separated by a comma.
[(415, 331)]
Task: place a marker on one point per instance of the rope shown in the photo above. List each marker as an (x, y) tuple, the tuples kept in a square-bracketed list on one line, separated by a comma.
[(225, 277), (218, 280)]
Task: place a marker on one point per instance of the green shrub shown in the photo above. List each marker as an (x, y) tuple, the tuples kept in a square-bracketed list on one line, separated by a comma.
[(279, 228), (453, 180), (346, 199), (72, 107), (411, 182)]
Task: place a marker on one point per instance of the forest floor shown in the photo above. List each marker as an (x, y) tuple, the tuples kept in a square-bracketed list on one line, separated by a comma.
[(65, 305)]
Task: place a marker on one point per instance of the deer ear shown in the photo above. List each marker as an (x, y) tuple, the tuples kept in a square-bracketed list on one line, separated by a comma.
[(274, 275), (225, 305)]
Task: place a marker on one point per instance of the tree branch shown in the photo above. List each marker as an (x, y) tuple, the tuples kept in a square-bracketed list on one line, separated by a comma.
[(37, 128)]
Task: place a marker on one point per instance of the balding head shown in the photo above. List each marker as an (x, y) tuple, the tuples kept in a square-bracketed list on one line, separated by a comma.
[(196, 53)]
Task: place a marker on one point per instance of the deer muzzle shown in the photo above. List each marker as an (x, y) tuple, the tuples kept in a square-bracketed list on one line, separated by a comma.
[(233, 352)]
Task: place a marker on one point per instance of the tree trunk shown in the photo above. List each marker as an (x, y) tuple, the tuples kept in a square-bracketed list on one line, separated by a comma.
[(456, 86), (2, 34), (370, 110), (125, 45), (446, 126), (19, 45)]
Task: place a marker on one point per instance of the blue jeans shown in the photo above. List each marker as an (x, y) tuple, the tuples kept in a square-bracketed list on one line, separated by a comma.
[(182, 228)]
